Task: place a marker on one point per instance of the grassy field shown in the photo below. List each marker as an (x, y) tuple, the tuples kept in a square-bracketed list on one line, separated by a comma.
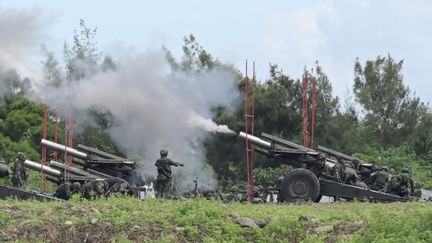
[(200, 220)]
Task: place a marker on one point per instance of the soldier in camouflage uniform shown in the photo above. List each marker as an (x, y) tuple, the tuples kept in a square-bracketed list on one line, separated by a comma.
[(19, 173), (164, 177), (417, 190), (117, 185), (379, 180), (94, 189), (258, 194), (338, 172), (359, 183), (67, 190), (405, 183)]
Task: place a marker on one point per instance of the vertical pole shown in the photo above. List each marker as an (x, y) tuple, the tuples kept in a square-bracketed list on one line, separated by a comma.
[(252, 149), (42, 182), (70, 137), (313, 113), (56, 125), (66, 133), (305, 111), (246, 90)]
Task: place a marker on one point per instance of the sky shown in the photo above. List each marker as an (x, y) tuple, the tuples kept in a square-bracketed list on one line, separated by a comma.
[(292, 34)]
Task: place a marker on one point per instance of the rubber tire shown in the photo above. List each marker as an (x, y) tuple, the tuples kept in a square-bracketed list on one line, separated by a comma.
[(300, 184)]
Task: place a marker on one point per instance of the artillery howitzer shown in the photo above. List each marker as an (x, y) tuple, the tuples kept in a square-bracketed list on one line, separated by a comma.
[(95, 164), (311, 178)]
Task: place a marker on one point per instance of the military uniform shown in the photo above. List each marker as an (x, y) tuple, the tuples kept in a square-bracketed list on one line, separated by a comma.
[(94, 189), (359, 183), (379, 180), (19, 173), (338, 172), (405, 183), (163, 179), (117, 185), (67, 190), (417, 190)]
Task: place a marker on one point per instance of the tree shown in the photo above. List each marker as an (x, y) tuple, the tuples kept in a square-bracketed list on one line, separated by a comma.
[(391, 112), (327, 131), (12, 85), (52, 70), (423, 137), (195, 57), (82, 59)]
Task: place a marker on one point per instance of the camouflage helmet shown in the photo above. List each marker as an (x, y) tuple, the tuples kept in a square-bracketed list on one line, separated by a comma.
[(385, 168), (76, 186), (21, 156), (164, 152), (405, 170), (234, 189)]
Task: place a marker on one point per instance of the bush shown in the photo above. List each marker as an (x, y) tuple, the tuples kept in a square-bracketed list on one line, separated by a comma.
[(269, 176)]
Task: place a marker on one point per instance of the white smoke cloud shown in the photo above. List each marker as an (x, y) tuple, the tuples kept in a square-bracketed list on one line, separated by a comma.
[(21, 35), (155, 107)]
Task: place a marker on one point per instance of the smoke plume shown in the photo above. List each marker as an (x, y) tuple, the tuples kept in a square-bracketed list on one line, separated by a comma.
[(155, 107), (21, 33)]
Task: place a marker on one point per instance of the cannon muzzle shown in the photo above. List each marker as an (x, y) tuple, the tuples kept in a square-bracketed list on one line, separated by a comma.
[(255, 140), (45, 168), (61, 148)]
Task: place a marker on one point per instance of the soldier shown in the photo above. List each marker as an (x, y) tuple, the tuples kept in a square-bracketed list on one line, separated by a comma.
[(164, 177), (359, 183), (258, 194), (356, 164), (117, 185), (380, 179), (405, 183), (67, 190), (417, 190), (338, 172), (235, 195), (19, 175), (94, 189)]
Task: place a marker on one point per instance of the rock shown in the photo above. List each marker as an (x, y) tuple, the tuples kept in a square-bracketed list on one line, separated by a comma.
[(94, 221), (261, 223), (68, 222), (347, 228), (257, 200), (311, 220), (325, 228), (95, 210), (246, 222)]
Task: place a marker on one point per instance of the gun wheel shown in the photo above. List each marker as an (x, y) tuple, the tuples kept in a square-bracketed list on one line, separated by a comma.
[(300, 184)]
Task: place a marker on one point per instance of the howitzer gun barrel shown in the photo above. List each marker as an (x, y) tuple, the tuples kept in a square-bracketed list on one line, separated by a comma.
[(71, 170), (60, 148), (255, 140), (45, 168)]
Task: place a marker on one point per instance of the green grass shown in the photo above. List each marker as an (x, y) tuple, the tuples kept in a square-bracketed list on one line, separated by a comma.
[(130, 220)]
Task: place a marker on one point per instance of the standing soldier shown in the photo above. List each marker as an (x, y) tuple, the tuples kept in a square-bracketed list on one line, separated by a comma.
[(19, 176), (163, 180)]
